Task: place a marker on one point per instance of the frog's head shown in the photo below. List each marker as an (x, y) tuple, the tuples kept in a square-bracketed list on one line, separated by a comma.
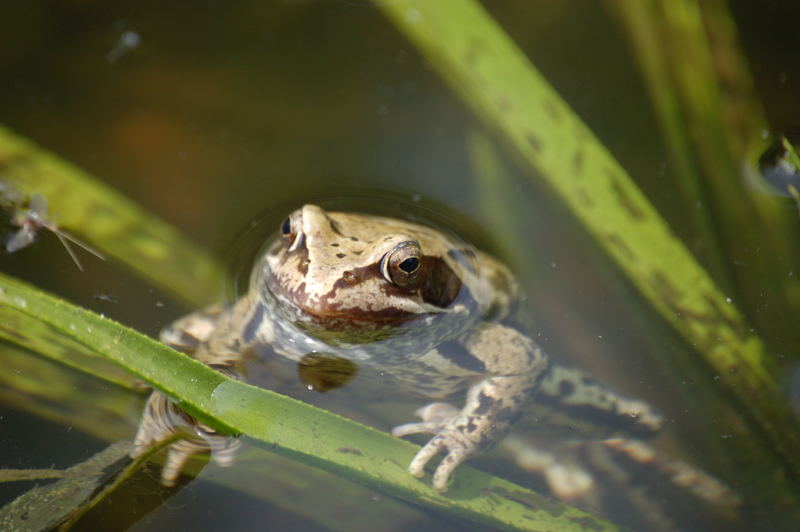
[(347, 272)]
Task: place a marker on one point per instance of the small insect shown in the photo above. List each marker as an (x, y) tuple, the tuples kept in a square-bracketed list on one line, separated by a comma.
[(34, 218), (127, 42), (108, 298)]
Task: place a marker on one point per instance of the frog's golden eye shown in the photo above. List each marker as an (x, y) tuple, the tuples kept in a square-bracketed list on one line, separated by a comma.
[(403, 264)]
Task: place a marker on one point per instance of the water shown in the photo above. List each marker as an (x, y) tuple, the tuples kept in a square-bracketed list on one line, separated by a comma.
[(220, 115)]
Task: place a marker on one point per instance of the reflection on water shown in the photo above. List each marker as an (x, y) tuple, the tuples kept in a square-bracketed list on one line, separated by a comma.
[(324, 373)]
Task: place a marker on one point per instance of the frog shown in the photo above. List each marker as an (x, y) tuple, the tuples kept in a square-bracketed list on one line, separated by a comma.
[(432, 314)]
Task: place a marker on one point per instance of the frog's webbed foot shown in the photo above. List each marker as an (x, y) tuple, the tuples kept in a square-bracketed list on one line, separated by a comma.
[(440, 419), (458, 434), (162, 420)]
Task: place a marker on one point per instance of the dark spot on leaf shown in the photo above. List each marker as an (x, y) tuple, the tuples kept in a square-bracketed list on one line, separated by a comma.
[(625, 200), (550, 109), (534, 142), (622, 247), (577, 163), (585, 198), (350, 450)]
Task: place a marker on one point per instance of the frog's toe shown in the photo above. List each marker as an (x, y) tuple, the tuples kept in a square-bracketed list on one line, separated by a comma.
[(457, 452), (441, 413), (435, 417), (421, 459), (417, 428), (451, 461)]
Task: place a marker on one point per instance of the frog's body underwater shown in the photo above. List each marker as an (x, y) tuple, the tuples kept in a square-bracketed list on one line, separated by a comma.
[(428, 312)]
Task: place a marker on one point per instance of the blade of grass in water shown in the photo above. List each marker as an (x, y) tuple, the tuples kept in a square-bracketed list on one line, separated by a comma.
[(483, 66), (289, 427), (49, 506)]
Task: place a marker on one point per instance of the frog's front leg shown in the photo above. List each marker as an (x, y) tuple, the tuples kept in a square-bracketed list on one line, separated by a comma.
[(513, 365)]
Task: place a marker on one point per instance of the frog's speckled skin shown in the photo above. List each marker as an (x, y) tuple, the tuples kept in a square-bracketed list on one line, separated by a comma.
[(422, 308)]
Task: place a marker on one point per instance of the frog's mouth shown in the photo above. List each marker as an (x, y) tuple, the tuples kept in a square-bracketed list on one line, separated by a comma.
[(302, 306), (336, 325)]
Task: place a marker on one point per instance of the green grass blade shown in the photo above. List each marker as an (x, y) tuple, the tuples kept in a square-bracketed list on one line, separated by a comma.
[(290, 427), (98, 215), (483, 65)]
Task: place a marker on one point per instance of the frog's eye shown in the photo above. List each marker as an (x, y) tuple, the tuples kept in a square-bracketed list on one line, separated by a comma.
[(402, 265), (286, 227), (291, 230)]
